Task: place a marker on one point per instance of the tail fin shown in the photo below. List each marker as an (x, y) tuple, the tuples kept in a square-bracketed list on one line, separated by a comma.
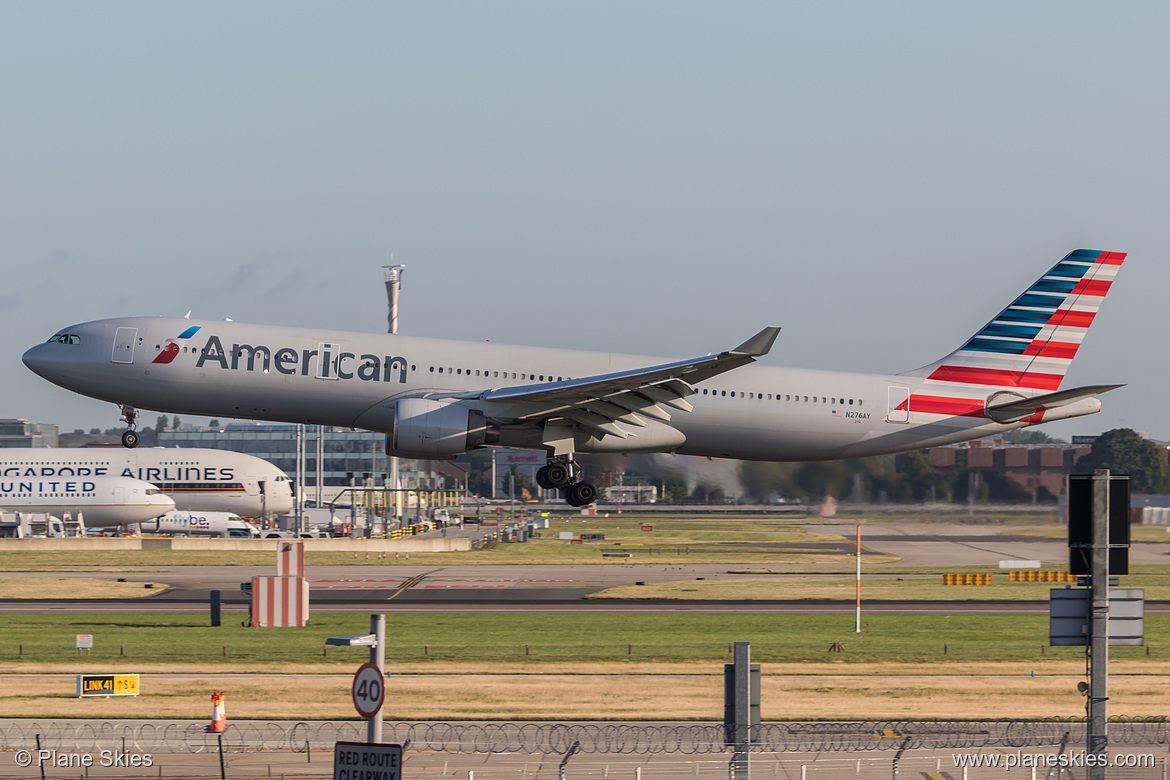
[(1030, 344)]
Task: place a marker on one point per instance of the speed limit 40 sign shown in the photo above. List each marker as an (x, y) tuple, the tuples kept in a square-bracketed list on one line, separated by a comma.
[(369, 690)]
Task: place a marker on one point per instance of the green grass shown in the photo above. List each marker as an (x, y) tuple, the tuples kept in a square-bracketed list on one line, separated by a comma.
[(187, 641)]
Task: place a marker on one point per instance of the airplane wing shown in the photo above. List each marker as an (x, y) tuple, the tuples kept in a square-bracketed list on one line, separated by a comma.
[(603, 403), (1021, 409)]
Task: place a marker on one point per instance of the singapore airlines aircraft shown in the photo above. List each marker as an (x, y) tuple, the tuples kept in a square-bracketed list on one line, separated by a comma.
[(100, 500), (200, 480), (439, 398)]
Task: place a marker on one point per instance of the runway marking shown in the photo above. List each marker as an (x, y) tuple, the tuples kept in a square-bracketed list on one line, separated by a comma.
[(445, 579), (463, 587), (415, 580), (492, 579), (350, 587), (449, 583)]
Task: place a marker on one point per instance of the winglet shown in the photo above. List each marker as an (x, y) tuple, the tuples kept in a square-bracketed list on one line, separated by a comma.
[(759, 344)]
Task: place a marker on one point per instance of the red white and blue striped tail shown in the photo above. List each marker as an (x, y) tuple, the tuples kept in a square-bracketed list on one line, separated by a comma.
[(1030, 344)]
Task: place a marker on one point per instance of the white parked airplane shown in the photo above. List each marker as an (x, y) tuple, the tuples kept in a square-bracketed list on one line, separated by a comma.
[(201, 524), (439, 398), (202, 480), (100, 500)]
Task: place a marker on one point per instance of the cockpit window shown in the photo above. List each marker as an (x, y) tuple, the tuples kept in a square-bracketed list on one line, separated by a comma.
[(65, 338)]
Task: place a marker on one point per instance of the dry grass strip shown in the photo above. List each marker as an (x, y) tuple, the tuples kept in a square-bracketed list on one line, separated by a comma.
[(644, 691), (74, 588)]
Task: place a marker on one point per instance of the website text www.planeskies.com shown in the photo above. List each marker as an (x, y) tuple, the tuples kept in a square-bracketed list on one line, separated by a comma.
[(1071, 760)]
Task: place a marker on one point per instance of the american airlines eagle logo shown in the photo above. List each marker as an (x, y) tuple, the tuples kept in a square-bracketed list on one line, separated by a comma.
[(171, 350)]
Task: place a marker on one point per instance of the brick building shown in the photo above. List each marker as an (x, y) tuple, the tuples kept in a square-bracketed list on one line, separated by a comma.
[(1030, 467)]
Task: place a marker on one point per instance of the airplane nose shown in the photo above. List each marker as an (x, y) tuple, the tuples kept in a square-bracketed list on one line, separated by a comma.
[(54, 362), (44, 361), (34, 358)]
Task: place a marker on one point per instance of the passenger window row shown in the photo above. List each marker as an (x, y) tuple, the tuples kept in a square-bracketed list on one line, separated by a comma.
[(499, 374), (797, 398)]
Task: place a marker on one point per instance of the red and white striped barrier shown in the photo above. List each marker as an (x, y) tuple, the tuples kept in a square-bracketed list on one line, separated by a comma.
[(290, 559), (280, 602)]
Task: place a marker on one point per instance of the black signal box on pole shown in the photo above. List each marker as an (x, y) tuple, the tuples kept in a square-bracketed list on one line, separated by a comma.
[(1080, 524)]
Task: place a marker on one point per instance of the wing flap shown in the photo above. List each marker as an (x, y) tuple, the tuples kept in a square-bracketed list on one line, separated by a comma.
[(597, 423), (602, 404)]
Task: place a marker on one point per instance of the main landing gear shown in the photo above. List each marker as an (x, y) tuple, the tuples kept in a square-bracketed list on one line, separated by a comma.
[(562, 473), (130, 417)]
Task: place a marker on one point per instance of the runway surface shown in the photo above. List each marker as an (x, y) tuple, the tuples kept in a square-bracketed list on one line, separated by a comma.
[(562, 587)]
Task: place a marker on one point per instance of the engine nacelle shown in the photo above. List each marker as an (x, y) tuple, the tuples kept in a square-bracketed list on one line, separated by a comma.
[(434, 429)]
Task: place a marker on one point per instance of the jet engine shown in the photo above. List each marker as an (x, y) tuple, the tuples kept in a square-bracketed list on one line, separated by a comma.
[(424, 428)]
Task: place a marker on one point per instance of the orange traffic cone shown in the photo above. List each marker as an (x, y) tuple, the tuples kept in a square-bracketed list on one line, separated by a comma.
[(218, 713)]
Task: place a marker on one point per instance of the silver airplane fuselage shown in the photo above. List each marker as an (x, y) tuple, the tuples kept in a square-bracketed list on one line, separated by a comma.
[(337, 378)]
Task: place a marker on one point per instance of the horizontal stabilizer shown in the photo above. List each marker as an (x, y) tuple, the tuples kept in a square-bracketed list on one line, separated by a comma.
[(1023, 408)]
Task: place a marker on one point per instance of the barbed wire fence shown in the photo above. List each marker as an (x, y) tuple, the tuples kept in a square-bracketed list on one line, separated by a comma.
[(559, 738)]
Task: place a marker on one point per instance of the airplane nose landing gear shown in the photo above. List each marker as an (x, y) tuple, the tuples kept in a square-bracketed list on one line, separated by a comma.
[(562, 473), (130, 417)]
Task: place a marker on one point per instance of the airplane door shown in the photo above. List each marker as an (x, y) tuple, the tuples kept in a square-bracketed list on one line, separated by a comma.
[(119, 495), (899, 409), (124, 341)]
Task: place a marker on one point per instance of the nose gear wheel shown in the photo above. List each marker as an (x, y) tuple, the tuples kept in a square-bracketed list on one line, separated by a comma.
[(130, 417)]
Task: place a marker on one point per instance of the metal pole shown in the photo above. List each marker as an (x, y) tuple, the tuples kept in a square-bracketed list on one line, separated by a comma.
[(1098, 738), (857, 627), (377, 656), (386, 506), (393, 277), (353, 529), (300, 478), (368, 499), (741, 758), (320, 464)]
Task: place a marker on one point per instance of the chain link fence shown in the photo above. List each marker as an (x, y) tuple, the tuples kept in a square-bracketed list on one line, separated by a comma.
[(648, 739)]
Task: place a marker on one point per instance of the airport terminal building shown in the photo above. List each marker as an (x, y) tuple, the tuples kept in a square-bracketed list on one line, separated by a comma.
[(20, 433), (345, 451)]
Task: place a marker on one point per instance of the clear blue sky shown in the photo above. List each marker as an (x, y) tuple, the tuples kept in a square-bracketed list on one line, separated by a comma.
[(879, 179)]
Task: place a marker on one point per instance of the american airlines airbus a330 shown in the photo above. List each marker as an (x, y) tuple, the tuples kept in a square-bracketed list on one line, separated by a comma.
[(439, 398)]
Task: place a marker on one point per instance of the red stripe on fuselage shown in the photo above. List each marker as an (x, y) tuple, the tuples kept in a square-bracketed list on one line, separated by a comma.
[(998, 377), (956, 407)]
